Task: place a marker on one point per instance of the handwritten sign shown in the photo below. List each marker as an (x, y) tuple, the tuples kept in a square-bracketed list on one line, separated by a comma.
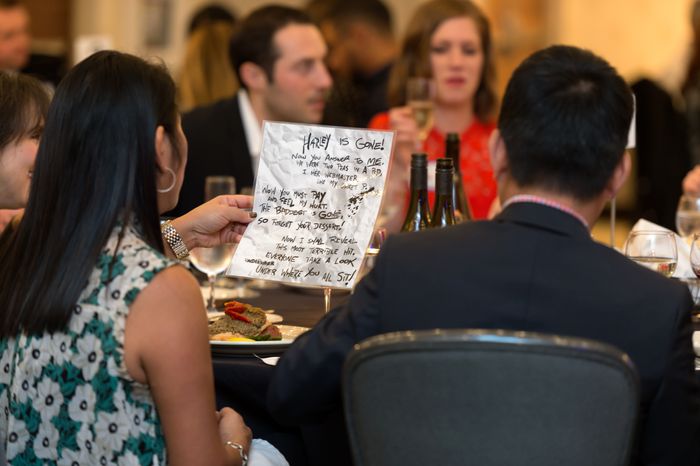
[(317, 194)]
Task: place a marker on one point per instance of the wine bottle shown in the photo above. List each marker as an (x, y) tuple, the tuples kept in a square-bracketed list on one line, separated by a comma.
[(418, 215), (452, 147), (444, 210)]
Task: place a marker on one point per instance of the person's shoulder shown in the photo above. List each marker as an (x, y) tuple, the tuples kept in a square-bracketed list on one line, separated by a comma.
[(379, 121), (212, 114)]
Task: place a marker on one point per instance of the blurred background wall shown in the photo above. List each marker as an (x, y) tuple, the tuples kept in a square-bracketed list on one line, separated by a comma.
[(639, 37)]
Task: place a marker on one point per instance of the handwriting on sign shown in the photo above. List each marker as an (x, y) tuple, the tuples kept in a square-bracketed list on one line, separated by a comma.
[(317, 196)]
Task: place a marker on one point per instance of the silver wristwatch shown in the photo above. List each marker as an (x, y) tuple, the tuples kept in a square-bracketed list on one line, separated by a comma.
[(236, 446), (174, 240)]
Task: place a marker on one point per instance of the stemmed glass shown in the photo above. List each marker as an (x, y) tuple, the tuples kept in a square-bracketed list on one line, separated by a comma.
[(688, 216), (419, 96), (655, 250), (213, 261)]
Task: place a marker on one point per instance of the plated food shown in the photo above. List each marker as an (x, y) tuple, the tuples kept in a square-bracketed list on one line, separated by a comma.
[(243, 323)]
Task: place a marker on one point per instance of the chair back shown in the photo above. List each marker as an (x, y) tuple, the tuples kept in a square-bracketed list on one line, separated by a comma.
[(489, 397)]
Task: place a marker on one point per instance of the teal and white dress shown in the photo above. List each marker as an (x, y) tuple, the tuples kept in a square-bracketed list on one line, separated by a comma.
[(66, 398)]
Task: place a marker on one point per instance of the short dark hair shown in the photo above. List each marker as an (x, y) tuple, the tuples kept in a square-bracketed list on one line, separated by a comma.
[(565, 121), (213, 13), (253, 39), (372, 12), (95, 170), (24, 102)]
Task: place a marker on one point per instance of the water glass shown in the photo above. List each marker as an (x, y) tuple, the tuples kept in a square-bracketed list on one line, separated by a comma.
[(213, 261), (655, 250), (688, 216)]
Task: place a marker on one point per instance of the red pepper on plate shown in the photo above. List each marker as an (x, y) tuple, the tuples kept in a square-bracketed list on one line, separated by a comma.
[(236, 315)]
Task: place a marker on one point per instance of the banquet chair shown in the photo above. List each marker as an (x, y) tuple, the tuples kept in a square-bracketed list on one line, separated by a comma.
[(488, 397)]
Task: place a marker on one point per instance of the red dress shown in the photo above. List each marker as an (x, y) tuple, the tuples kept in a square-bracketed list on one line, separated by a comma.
[(479, 184)]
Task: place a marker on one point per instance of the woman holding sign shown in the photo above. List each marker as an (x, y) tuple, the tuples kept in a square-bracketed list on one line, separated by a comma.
[(97, 322), (448, 41)]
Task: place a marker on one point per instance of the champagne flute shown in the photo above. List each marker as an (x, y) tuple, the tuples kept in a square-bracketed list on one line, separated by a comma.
[(655, 250), (688, 216), (213, 261), (419, 96)]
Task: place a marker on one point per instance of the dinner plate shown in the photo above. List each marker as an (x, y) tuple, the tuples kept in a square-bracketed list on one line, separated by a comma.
[(240, 348)]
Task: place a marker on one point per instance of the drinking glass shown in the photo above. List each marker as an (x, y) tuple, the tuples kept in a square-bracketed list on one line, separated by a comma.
[(655, 250), (213, 261), (419, 96), (688, 216)]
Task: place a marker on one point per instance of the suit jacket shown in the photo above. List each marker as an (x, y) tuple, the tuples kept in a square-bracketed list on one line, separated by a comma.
[(217, 146), (533, 268)]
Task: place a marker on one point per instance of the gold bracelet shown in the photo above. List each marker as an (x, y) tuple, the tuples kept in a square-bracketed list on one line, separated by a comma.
[(239, 447)]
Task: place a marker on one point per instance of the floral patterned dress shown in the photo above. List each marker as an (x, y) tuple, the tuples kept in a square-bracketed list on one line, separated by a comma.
[(66, 398)]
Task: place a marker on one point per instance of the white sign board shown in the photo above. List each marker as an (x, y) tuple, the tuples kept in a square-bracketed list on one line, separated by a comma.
[(317, 195)]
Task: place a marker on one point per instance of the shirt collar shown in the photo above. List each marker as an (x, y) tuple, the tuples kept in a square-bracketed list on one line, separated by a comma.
[(547, 202), (251, 126)]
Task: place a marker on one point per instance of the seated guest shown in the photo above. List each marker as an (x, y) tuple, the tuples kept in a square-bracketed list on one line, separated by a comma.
[(87, 377), (559, 156), (277, 54), (206, 75), (23, 106), (361, 52), (448, 41), (15, 46)]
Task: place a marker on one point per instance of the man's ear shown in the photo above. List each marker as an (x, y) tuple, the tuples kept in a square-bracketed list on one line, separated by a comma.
[(619, 175), (498, 154), (253, 76)]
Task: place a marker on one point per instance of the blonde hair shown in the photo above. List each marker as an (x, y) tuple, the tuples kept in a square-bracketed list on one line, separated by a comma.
[(207, 75), (414, 59)]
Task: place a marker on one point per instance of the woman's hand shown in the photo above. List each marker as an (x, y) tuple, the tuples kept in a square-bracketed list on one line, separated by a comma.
[(691, 182), (407, 141), (221, 220), (232, 428)]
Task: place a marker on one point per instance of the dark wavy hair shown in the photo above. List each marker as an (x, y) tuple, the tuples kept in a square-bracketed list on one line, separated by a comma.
[(95, 169), (414, 59), (565, 120), (24, 102)]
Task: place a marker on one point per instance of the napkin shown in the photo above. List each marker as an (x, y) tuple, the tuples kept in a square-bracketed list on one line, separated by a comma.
[(683, 268)]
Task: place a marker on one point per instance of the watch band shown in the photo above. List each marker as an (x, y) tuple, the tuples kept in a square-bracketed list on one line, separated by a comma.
[(236, 446), (174, 240)]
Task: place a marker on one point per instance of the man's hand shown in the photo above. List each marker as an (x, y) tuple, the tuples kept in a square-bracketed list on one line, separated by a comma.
[(691, 182)]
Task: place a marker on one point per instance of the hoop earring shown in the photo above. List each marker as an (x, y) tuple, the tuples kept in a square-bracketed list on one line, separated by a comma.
[(172, 185)]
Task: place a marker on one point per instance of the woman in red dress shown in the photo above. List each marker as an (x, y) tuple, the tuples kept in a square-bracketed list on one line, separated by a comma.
[(448, 41)]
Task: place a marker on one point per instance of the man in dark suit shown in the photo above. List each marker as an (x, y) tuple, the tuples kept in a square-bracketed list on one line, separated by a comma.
[(277, 54), (559, 156)]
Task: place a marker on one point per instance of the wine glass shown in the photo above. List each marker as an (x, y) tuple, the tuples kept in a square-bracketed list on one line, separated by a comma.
[(375, 245), (694, 285), (655, 250), (688, 216), (419, 96), (213, 261)]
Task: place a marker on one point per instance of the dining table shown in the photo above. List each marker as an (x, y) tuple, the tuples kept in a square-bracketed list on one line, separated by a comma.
[(241, 379)]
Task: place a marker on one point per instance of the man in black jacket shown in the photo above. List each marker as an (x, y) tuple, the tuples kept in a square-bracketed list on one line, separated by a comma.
[(559, 156), (277, 54)]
